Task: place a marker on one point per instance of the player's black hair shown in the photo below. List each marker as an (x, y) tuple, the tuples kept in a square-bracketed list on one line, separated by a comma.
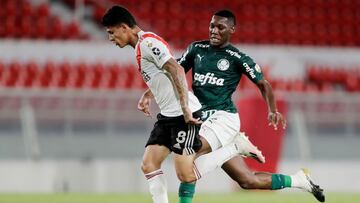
[(117, 15), (227, 14)]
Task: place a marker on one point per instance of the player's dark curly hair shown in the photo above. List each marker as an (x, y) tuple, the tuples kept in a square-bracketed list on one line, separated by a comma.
[(117, 15), (227, 14)]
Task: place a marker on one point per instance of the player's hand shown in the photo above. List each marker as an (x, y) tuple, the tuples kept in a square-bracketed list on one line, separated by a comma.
[(189, 117), (144, 104), (276, 118)]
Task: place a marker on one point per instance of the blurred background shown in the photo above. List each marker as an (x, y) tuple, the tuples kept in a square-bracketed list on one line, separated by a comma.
[(68, 97)]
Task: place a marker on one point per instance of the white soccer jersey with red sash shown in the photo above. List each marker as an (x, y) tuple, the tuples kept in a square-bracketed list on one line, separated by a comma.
[(152, 52)]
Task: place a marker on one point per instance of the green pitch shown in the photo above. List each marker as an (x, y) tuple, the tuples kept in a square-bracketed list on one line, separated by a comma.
[(240, 197)]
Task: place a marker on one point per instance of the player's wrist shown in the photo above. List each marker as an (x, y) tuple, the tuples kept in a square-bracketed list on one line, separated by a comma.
[(275, 111), (185, 109)]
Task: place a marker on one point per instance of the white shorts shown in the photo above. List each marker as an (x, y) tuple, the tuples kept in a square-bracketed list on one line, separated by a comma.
[(220, 128)]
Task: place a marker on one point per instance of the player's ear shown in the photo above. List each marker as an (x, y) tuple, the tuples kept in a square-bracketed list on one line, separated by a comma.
[(232, 29), (124, 27)]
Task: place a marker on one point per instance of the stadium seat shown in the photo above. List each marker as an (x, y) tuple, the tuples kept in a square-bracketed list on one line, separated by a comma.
[(43, 10)]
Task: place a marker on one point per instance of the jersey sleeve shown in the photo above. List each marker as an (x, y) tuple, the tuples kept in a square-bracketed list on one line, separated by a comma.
[(156, 51), (250, 68), (187, 59)]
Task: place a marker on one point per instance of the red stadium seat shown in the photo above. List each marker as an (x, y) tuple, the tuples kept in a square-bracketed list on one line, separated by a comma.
[(351, 83), (25, 30), (11, 74), (71, 31), (55, 29), (10, 28), (43, 10), (10, 8), (61, 75), (2, 67), (32, 71), (26, 9)]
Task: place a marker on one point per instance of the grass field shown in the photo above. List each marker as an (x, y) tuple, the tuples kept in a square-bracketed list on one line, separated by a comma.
[(240, 197)]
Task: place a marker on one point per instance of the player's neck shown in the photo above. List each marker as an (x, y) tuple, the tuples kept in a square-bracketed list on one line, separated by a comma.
[(224, 45), (221, 46), (134, 36)]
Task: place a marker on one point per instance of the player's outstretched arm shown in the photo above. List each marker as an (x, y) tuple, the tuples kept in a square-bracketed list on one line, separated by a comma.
[(179, 81), (275, 117), (144, 102)]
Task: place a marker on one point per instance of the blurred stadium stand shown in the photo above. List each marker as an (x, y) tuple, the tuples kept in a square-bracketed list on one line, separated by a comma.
[(68, 97), (21, 19), (304, 22), (116, 76)]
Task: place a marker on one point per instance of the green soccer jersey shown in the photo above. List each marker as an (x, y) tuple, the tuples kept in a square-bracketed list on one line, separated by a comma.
[(216, 72)]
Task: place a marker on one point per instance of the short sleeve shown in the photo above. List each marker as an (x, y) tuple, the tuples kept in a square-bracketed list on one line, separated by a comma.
[(250, 68), (155, 50), (187, 59)]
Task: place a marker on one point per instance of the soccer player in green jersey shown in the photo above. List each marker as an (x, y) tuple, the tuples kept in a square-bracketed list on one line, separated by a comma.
[(217, 67)]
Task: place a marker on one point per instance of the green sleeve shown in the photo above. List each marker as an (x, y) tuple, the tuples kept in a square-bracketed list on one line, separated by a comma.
[(187, 59), (250, 68)]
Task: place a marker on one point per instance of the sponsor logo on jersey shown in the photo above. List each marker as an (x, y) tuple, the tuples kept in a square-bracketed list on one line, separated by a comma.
[(233, 53), (200, 57), (249, 70), (208, 78), (223, 64), (257, 68), (202, 45), (156, 51)]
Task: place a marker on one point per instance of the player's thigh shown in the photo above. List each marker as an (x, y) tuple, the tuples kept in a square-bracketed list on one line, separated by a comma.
[(237, 169), (184, 167), (220, 128), (153, 156)]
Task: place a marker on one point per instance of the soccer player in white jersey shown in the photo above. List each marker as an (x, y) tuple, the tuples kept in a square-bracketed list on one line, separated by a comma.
[(178, 122)]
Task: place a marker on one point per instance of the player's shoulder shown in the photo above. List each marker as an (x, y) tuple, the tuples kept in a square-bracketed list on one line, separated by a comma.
[(148, 38), (234, 52), (145, 35)]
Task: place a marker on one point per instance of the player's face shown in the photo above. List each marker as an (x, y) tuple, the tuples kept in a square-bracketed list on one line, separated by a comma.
[(118, 35), (220, 30)]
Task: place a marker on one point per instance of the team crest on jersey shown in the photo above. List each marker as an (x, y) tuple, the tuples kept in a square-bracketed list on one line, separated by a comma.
[(223, 64)]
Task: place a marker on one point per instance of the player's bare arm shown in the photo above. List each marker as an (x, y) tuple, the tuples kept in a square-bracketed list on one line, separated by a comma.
[(144, 102), (275, 117), (179, 81)]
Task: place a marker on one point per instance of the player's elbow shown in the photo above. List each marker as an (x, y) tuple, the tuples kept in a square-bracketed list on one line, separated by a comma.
[(264, 85)]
